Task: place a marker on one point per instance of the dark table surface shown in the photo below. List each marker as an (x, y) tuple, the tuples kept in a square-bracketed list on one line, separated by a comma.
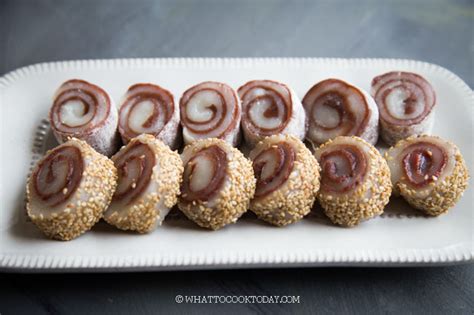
[(436, 31)]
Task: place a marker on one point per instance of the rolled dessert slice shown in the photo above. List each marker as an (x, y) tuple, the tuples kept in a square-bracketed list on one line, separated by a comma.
[(269, 108), (218, 183), (69, 189), (148, 108), (210, 110), (149, 179), (355, 180), (406, 103), (287, 179), (85, 111), (335, 108), (429, 172)]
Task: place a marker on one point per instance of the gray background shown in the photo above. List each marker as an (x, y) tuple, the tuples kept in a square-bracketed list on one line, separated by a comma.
[(441, 32)]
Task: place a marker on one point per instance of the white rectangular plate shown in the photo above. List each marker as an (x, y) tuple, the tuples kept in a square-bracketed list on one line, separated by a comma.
[(399, 237)]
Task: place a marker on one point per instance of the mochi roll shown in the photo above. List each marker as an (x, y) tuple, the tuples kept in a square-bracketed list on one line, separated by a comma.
[(218, 183), (148, 108), (429, 172), (69, 190), (287, 179), (210, 110), (149, 178), (406, 104), (355, 180), (335, 108), (85, 111), (270, 108)]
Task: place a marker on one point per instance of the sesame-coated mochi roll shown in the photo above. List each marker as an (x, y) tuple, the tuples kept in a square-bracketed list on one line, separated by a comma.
[(335, 108), (149, 178), (148, 108), (406, 104), (269, 108), (218, 183), (355, 180), (69, 190), (287, 179), (210, 110), (429, 172), (85, 111)]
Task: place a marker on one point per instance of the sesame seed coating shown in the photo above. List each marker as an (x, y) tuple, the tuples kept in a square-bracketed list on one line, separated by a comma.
[(294, 199), (151, 207), (368, 198), (85, 207), (445, 191), (233, 198)]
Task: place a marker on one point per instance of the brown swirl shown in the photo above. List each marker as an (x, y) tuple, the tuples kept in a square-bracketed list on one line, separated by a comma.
[(92, 99), (344, 103), (135, 167), (217, 158), (274, 93), (163, 109), (219, 123), (423, 163), (272, 167), (58, 175), (416, 91), (343, 168)]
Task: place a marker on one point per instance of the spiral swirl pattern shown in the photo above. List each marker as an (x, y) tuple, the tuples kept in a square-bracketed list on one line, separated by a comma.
[(79, 107), (343, 168), (147, 108), (272, 167), (403, 98), (335, 108), (58, 175), (204, 174), (135, 167), (210, 110), (267, 106), (423, 163)]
